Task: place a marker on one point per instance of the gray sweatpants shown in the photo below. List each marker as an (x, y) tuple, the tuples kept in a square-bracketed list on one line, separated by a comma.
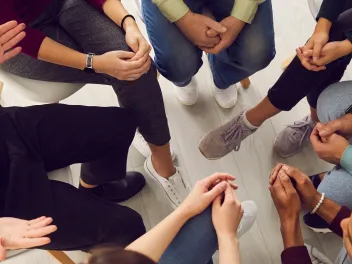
[(337, 183), (76, 24)]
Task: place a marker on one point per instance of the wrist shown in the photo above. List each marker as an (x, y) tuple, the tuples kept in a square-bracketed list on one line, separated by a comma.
[(345, 47), (227, 239), (314, 201), (97, 64), (323, 26), (291, 233), (183, 20), (129, 24)]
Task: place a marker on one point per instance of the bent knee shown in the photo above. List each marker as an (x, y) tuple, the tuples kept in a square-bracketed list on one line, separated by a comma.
[(334, 101)]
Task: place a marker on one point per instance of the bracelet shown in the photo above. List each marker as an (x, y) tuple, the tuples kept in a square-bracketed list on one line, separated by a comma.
[(319, 203), (123, 21)]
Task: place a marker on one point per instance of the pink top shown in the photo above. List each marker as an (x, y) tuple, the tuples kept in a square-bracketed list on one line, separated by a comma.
[(26, 11)]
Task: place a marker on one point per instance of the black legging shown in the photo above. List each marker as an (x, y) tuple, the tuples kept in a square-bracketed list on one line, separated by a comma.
[(34, 140), (297, 82)]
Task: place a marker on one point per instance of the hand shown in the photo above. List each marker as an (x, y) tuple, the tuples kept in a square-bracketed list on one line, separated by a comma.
[(136, 41), (329, 148), (118, 64), (11, 34), (233, 26), (194, 27), (285, 197), (317, 41), (329, 53), (341, 126), (20, 234), (204, 192), (307, 61), (303, 185), (227, 214)]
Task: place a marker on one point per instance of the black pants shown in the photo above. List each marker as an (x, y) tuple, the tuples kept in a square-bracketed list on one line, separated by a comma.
[(51, 137), (297, 82)]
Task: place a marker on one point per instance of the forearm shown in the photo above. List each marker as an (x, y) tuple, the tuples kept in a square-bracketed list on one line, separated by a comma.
[(154, 243), (116, 11), (229, 250), (328, 210), (323, 25), (291, 234), (56, 53)]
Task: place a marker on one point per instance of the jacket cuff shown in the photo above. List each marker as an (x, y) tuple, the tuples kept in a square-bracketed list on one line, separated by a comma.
[(245, 10), (346, 159), (98, 4), (295, 255), (173, 10), (32, 42)]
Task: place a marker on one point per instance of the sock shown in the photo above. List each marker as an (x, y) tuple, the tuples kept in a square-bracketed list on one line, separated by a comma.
[(247, 123), (98, 191)]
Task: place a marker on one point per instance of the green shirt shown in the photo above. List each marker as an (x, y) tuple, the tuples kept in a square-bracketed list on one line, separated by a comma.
[(173, 10)]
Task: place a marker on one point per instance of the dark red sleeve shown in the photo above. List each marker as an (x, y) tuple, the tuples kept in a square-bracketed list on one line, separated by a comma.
[(33, 40), (336, 223), (295, 255), (98, 4)]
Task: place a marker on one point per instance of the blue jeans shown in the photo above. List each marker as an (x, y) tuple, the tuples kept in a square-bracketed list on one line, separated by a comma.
[(332, 104), (195, 243), (178, 60)]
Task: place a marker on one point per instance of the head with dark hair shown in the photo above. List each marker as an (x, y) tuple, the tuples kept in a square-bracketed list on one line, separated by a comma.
[(113, 255)]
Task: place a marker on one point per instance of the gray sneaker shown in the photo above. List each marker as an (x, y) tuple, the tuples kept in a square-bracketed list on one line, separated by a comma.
[(316, 256), (224, 139), (290, 140)]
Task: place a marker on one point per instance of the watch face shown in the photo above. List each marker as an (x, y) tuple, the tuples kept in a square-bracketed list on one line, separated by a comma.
[(89, 70)]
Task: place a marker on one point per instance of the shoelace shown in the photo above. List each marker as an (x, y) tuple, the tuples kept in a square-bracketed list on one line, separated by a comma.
[(235, 130), (302, 125)]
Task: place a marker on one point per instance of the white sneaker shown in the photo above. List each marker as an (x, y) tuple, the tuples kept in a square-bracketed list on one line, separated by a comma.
[(226, 98), (175, 187), (142, 146), (188, 95), (249, 215)]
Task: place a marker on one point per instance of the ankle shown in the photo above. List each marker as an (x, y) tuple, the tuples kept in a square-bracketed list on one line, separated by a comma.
[(165, 171), (251, 122), (86, 185)]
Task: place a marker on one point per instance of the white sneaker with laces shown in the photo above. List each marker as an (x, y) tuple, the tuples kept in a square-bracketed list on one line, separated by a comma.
[(188, 95), (175, 187), (142, 146), (226, 98), (250, 210)]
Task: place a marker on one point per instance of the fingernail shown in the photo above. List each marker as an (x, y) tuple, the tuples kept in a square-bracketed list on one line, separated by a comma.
[(223, 185), (285, 168), (323, 133)]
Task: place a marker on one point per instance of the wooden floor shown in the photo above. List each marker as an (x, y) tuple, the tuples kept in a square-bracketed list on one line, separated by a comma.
[(251, 165)]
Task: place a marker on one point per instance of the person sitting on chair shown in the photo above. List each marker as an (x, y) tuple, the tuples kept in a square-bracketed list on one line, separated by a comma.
[(239, 42)]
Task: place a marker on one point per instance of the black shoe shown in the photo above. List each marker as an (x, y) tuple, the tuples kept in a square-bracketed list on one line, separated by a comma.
[(118, 191), (316, 223), (316, 180)]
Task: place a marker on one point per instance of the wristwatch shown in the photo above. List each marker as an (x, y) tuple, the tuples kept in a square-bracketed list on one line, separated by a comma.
[(89, 63)]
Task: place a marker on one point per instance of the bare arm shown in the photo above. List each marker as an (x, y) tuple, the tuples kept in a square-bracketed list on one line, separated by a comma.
[(229, 250), (154, 243)]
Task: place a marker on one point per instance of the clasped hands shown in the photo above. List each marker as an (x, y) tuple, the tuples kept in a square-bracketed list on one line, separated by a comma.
[(209, 35)]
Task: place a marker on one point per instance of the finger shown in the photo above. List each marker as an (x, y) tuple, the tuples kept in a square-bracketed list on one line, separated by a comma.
[(274, 173), (217, 202), (308, 46), (211, 33), (207, 46), (294, 173), (329, 128), (222, 176), (286, 182), (315, 138), (33, 242), (308, 53), (299, 54), (230, 196), (12, 53), (217, 190), (210, 41), (216, 26), (11, 33), (138, 64), (34, 221), (7, 26), (2, 250), (233, 186), (124, 55), (14, 41), (316, 51), (41, 232), (144, 49), (42, 223)]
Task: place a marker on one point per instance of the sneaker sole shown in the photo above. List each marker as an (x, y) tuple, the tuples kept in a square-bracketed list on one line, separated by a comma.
[(203, 153), (320, 230), (174, 206)]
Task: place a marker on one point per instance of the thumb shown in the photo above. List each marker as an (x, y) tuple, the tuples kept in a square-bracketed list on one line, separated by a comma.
[(2, 250), (329, 128), (216, 26), (217, 190), (124, 55), (286, 182), (308, 53), (316, 51), (211, 33)]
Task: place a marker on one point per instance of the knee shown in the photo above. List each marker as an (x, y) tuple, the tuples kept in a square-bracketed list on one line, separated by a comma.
[(179, 68), (334, 101)]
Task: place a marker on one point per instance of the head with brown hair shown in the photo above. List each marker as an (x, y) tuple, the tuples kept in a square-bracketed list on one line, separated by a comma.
[(113, 255)]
